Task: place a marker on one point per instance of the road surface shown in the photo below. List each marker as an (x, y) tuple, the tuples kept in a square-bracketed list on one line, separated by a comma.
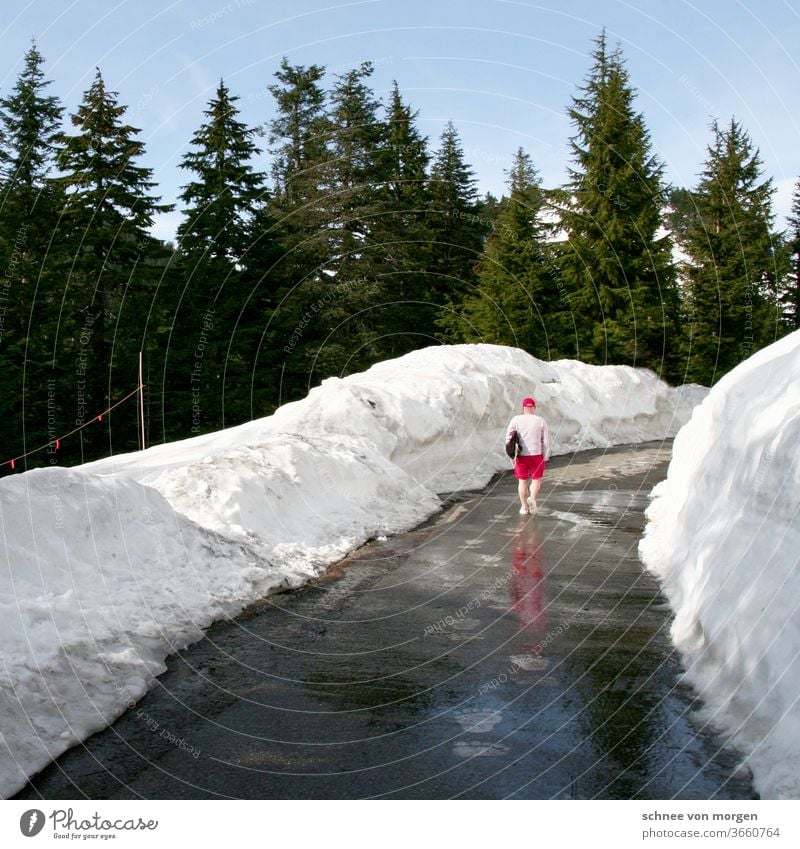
[(484, 655)]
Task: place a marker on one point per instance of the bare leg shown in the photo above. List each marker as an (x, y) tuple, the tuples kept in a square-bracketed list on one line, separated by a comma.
[(536, 485), (523, 494)]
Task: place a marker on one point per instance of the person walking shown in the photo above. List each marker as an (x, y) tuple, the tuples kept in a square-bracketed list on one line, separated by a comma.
[(533, 452)]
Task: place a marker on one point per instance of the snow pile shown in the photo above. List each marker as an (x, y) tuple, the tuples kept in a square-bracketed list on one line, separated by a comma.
[(107, 568), (723, 537)]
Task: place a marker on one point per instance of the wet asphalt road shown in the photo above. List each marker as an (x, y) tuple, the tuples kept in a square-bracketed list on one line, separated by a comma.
[(484, 655)]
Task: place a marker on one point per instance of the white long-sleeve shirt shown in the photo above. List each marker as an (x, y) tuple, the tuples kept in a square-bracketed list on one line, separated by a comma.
[(533, 432)]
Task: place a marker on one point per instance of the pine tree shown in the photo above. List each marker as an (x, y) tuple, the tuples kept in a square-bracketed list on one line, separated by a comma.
[(730, 277), (408, 317), (517, 301), (456, 224), (29, 293), (346, 335), (408, 156), (349, 202), (216, 240), (297, 138), (29, 124), (356, 174), (250, 356), (112, 274), (617, 269), (219, 201), (298, 142)]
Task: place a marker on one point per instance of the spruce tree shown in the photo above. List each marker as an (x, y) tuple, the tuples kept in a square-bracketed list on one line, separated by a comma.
[(731, 270), (457, 226), (298, 142), (251, 357), (347, 330), (408, 317), (617, 268), (350, 199), (297, 137), (219, 200), (517, 300), (30, 291), (408, 156), (107, 214), (356, 174), (216, 240), (29, 124)]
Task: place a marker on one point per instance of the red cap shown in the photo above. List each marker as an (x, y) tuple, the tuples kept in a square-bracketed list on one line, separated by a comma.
[(528, 402)]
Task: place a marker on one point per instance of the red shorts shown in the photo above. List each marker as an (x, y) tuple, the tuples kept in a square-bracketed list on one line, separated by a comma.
[(529, 466)]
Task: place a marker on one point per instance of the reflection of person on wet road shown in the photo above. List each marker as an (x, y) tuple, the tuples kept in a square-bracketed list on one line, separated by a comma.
[(533, 453), (527, 578)]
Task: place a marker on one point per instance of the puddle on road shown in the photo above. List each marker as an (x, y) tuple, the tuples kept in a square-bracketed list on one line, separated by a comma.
[(478, 722), (621, 509), (604, 500), (474, 749), (529, 663)]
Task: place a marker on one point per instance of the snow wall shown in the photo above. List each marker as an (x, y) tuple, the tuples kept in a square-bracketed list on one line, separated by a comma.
[(723, 537), (107, 568)]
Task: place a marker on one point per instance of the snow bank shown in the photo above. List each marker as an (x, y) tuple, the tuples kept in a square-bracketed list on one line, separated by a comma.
[(107, 568), (724, 539)]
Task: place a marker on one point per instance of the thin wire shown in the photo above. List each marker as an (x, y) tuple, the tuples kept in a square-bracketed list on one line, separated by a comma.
[(96, 418)]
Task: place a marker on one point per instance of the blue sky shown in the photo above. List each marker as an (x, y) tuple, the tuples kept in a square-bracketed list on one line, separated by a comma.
[(503, 70)]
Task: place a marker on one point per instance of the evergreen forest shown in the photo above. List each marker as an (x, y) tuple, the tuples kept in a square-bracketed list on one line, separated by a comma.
[(337, 235)]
